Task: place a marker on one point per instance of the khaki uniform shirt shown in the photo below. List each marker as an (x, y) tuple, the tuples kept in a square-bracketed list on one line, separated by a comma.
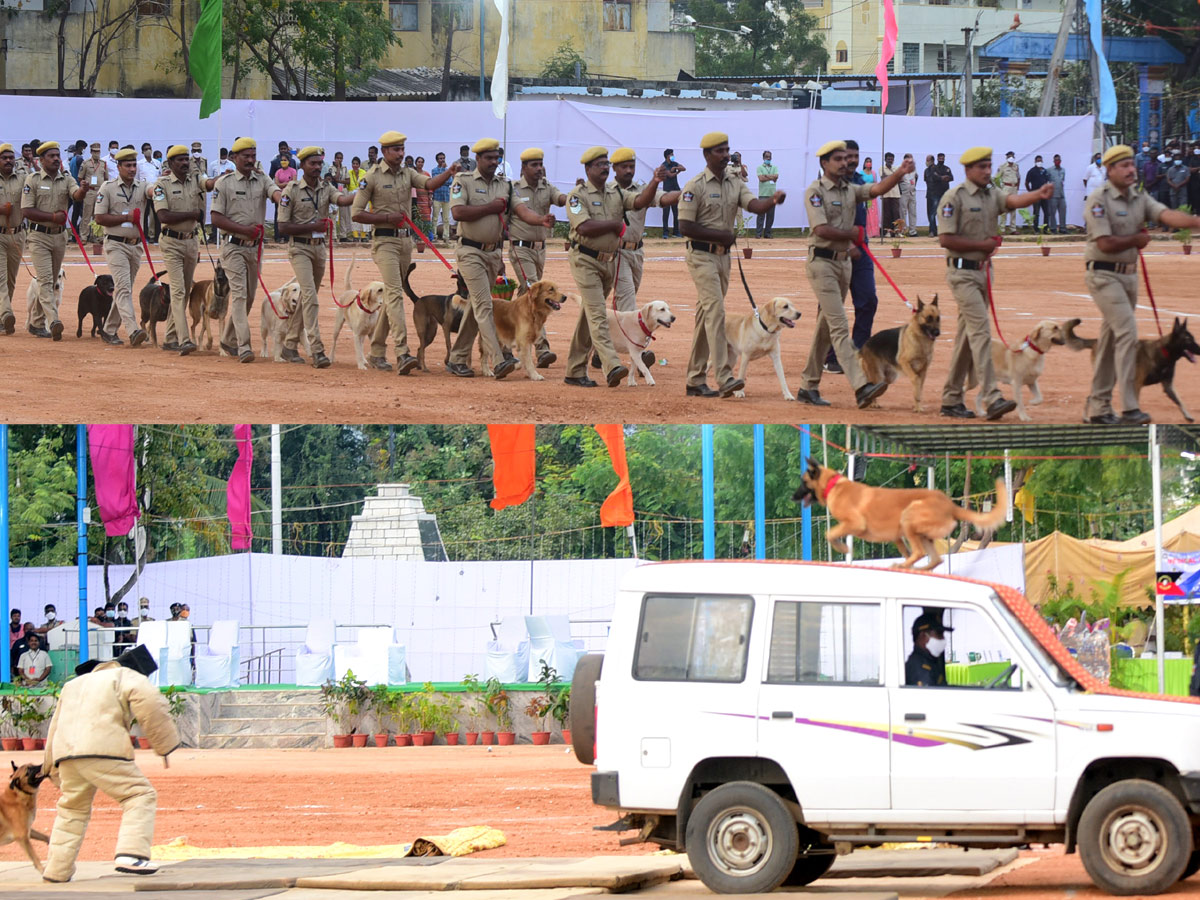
[(884, 174), (116, 198), (301, 204), (713, 202), (48, 194), (832, 203), (471, 189), (586, 202), (188, 195), (243, 199), (388, 192), (20, 167), (1109, 212), (199, 166), (538, 199), (10, 192), (1010, 175), (971, 211), (636, 218), (97, 167)]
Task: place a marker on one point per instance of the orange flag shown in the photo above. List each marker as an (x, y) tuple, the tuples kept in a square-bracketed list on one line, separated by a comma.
[(618, 508), (514, 457)]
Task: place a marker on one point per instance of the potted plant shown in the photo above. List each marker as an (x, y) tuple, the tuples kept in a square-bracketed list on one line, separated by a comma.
[(424, 716), (538, 709), (448, 723), (30, 716), (739, 232), (344, 702), (560, 710), (9, 711), (473, 709), (497, 702), (381, 707), (400, 715), (1184, 235), (1041, 232), (897, 231)]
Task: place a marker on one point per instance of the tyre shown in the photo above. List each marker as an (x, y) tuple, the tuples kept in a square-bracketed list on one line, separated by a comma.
[(583, 707), (741, 839), (813, 860), (1193, 865), (1135, 838)]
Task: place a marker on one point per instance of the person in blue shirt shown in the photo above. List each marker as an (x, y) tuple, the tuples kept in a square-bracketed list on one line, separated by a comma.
[(73, 164), (862, 275), (441, 203)]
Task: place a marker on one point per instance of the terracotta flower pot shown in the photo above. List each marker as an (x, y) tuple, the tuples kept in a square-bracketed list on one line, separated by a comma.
[(896, 252), (566, 732), (341, 740), (1187, 249), (10, 744), (404, 740), (506, 738), (359, 740), (144, 743), (747, 252), (418, 739), (430, 736), (28, 743), (1045, 251), (451, 738), (381, 740), (487, 738), (540, 738), (39, 743), (472, 737)]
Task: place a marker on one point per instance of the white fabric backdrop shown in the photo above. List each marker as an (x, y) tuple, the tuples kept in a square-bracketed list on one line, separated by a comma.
[(563, 129)]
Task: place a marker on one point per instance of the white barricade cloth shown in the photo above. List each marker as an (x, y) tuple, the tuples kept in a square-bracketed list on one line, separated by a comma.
[(217, 663), (369, 658)]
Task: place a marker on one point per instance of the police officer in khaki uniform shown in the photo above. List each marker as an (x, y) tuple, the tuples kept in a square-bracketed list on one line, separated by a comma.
[(179, 198), (239, 210), (1116, 214), (388, 188), (478, 202), (304, 217), (199, 163), (341, 180), (833, 239), (1010, 183), (596, 211), (527, 243), (708, 207), (92, 168), (45, 200), (118, 203), (12, 241)]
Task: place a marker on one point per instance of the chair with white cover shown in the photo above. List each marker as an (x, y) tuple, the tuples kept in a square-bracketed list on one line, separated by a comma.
[(179, 653), (217, 664), (368, 658), (314, 661), (153, 635), (550, 642), (508, 654)]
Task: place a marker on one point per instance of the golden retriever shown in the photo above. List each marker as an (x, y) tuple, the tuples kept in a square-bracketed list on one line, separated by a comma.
[(520, 321)]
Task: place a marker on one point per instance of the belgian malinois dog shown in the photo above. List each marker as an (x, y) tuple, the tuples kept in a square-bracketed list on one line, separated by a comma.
[(18, 806)]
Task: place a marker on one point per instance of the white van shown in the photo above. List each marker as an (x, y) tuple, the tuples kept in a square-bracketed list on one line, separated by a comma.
[(756, 715)]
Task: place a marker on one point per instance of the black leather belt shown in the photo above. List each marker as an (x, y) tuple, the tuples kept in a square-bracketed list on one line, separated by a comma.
[(957, 262), (10, 230), (1119, 268), (311, 240), (715, 249), (45, 229), (178, 235), (390, 232), (535, 245), (826, 253), (120, 240), (603, 256), (466, 242), (630, 245), (242, 242)]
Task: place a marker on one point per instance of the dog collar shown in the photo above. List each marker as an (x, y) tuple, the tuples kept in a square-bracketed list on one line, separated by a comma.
[(1032, 346), (758, 318), (17, 787), (646, 331), (829, 487)]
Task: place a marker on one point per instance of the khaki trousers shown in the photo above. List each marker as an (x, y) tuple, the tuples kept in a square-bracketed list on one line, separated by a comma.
[(629, 279), (120, 779), (10, 265), (710, 274), (830, 280), (344, 223), (594, 280), (241, 267), (392, 256), (1009, 216), (441, 216), (181, 258), (972, 339), (123, 261), (89, 213), (479, 270), (46, 252), (1117, 347), (532, 262), (308, 262)]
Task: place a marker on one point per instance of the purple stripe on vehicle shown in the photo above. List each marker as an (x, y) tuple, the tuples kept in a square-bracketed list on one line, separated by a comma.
[(872, 732)]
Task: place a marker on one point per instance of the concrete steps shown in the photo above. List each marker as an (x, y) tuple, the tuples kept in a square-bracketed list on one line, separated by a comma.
[(266, 719)]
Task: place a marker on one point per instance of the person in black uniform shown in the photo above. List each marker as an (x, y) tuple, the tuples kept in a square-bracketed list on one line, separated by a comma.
[(926, 665)]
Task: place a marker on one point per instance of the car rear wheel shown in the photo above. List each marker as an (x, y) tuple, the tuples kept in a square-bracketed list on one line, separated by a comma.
[(583, 707), (741, 839), (1135, 838)]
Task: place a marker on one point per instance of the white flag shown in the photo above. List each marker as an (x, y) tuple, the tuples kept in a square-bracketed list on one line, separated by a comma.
[(500, 73)]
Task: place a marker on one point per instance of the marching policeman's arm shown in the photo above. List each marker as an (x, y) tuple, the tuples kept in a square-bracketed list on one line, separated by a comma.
[(600, 227), (1016, 201), (956, 243), (528, 216), (692, 229), (1111, 243), (762, 204), (467, 213), (436, 181), (178, 216), (222, 222), (344, 199), (1178, 219), (882, 187)]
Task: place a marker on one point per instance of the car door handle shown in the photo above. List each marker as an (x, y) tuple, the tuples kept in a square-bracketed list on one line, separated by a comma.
[(781, 714), (914, 717)]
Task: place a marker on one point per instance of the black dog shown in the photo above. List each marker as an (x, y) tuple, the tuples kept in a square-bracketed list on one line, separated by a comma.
[(95, 300), (435, 311), (155, 301)]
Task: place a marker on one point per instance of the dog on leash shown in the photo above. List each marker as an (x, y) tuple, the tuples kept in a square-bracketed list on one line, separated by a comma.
[(277, 313), (434, 311), (627, 327), (519, 322), (911, 518), (359, 310), (1023, 366), (155, 302), (18, 807), (752, 336), (95, 300), (208, 301), (907, 349), (60, 283)]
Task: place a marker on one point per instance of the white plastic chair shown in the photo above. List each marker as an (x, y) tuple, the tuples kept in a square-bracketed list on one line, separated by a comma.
[(550, 642), (314, 661), (368, 658), (508, 654), (217, 664)]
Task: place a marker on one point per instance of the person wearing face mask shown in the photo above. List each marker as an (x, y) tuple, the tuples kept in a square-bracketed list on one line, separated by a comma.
[(926, 665), (125, 638), (1010, 182), (1093, 176), (143, 612), (52, 620), (1177, 177)]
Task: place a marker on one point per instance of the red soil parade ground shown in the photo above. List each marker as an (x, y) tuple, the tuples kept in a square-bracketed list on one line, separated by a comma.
[(50, 381)]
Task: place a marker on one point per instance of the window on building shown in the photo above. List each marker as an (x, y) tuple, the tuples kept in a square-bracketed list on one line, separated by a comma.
[(842, 54), (693, 637), (912, 57), (404, 15), (464, 16), (825, 643), (618, 16), (153, 8)]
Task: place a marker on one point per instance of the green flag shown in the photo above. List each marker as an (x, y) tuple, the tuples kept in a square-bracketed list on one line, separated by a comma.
[(205, 56)]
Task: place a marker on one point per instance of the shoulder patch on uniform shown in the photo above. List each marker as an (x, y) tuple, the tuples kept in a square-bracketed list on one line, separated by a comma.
[(815, 200), (575, 204), (688, 197), (947, 210), (159, 193), (285, 200), (1098, 211), (456, 191), (25, 189)]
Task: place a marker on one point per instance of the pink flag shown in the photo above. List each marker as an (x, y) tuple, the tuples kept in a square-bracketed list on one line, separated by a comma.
[(111, 450), (237, 493), (886, 52)]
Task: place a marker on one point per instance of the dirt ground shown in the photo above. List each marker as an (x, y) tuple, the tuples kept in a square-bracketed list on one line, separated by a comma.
[(147, 385)]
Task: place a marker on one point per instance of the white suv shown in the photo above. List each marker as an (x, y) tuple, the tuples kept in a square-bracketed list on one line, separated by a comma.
[(756, 715)]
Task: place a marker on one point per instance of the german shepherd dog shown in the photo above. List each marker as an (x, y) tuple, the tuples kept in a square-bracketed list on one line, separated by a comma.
[(911, 518), (434, 311), (18, 806), (908, 349)]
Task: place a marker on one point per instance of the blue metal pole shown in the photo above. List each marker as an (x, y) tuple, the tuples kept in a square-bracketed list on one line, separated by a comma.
[(760, 493), (5, 659), (806, 512), (706, 480), (81, 559)]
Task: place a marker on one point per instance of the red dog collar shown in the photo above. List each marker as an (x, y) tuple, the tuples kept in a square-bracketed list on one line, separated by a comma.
[(1032, 346), (829, 487), (646, 331)]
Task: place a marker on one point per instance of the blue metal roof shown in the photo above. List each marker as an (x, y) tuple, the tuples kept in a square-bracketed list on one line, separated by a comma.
[(1020, 45)]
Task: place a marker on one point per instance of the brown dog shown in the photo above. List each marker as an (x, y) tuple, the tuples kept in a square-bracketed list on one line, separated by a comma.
[(18, 806), (520, 321), (911, 518), (908, 349), (209, 300)]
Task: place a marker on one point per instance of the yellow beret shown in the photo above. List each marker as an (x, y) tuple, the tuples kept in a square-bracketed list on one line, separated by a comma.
[(532, 153), (127, 154), (310, 151), (45, 146), (829, 147), (593, 153), (974, 155), (622, 154), (173, 150), (1116, 153), (243, 143), (391, 138), (4, 147), (713, 139), (483, 145)]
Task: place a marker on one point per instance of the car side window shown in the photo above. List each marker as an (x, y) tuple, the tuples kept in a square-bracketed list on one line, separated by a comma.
[(693, 637), (971, 653), (825, 643)]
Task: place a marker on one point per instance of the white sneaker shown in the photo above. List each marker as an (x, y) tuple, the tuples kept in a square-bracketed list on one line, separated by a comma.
[(132, 865)]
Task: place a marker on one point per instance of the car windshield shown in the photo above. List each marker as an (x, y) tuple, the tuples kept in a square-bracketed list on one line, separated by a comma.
[(1053, 670)]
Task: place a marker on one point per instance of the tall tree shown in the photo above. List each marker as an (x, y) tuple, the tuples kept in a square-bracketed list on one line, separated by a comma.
[(783, 39)]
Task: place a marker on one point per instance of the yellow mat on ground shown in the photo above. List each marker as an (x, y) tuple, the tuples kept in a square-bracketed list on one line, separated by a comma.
[(459, 842)]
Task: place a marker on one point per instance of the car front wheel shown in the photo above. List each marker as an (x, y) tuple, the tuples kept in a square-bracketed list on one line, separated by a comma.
[(1135, 838), (741, 839)]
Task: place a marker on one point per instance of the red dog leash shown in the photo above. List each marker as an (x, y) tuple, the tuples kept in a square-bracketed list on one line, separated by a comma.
[(258, 266), (75, 234), (145, 246), (419, 233), (1149, 291), (867, 250)]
